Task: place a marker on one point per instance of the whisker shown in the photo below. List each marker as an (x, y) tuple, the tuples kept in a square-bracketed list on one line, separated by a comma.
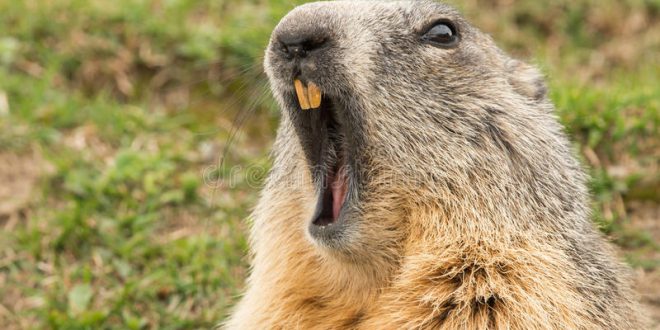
[(241, 95), (240, 118)]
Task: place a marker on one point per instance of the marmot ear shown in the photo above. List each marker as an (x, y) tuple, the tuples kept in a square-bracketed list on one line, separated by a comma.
[(526, 80)]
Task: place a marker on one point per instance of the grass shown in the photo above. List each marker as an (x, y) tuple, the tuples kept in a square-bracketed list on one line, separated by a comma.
[(118, 114)]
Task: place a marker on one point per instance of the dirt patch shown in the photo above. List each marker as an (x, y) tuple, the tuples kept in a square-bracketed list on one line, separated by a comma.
[(19, 175)]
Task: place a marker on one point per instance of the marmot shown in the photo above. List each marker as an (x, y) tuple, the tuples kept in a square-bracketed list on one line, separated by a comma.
[(421, 180)]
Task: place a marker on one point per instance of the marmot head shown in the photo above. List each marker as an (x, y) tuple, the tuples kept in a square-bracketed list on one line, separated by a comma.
[(398, 106)]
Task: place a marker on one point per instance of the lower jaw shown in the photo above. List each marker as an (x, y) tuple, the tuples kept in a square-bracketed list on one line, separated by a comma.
[(328, 226), (333, 236)]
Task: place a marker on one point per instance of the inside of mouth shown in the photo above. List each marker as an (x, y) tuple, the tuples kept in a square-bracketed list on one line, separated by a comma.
[(335, 178), (333, 197)]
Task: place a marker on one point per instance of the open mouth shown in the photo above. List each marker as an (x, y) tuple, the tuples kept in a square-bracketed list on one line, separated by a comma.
[(326, 152), (333, 194)]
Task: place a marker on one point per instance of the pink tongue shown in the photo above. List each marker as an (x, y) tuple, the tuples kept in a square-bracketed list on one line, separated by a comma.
[(339, 188)]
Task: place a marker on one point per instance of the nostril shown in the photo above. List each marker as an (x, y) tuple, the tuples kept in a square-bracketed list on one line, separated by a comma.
[(300, 46), (295, 50)]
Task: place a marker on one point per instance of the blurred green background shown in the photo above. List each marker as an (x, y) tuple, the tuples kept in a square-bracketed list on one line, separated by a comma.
[(116, 117)]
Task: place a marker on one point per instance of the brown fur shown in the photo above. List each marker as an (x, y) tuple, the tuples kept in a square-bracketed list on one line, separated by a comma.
[(473, 213)]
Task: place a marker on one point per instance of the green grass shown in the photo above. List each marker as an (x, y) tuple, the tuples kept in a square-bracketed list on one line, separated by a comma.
[(120, 111)]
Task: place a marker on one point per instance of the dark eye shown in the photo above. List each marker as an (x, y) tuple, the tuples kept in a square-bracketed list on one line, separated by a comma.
[(441, 34)]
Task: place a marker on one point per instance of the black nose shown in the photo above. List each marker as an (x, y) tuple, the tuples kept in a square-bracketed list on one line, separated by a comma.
[(300, 45)]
